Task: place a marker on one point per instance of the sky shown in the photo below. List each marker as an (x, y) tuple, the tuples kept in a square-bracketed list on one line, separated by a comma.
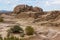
[(46, 5)]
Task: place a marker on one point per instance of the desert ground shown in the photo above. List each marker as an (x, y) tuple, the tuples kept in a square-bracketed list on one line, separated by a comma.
[(46, 26)]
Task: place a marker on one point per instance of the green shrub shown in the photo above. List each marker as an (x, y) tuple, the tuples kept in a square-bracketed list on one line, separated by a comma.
[(29, 30), (11, 38), (1, 37), (16, 29), (1, 19)]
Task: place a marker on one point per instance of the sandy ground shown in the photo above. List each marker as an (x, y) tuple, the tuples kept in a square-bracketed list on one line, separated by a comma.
[(10, 21)]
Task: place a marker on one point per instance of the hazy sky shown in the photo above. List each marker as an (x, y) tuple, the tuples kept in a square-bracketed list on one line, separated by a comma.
[(46, 5)]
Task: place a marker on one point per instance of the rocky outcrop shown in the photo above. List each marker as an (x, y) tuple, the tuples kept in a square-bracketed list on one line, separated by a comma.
[(26, 8), (34, 15), (25, 11), (53, 15), (22, 8), (37, 9), (50, 16)]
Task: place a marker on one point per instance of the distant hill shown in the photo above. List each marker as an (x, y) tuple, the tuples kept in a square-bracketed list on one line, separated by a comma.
[(5, 12)]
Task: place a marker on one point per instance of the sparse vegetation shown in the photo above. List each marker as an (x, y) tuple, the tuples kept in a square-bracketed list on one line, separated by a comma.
[(29, 30), (11, 38), (1, 37), (16, 29), (1, 19)]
